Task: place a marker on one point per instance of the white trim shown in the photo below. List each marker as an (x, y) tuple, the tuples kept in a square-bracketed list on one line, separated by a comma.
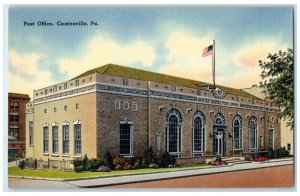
[(77, 156), (55, 155), (77, 122), (125, 121), (55, 124), (65, 155), (45, 125), (65, 123)]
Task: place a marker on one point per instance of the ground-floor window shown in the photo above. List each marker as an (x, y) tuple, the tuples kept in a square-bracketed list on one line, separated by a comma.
[(45, 139), (125, 139), (55, 139), (66, 140), (252, 133), (77, 140), (271, 138), (198, 132), (173, 131), (237, 133)]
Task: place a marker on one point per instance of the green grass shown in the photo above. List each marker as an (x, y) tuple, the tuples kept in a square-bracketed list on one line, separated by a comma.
[(49, 173)]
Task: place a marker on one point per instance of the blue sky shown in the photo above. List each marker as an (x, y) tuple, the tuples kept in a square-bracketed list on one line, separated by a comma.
[(166, 39)]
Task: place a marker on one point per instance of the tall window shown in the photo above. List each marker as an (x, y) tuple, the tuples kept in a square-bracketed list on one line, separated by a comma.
[(77, 134), (174, 121), (66, 140), (252, 133), (271, 138), (198, 132), (46, 139), (76, 82), (65, 85), (55, 139), (125, 139), (237, 133), (30, 133)]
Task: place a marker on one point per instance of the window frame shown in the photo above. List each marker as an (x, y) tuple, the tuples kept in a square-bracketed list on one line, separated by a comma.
[(130, 124), (45, 139), (66, 140), (202, 123), (174, 112), (77, 140), (55, 139), (253, 121), (237, 118)]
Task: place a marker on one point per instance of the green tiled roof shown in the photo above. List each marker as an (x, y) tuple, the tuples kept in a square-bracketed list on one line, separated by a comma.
[(122, 71)]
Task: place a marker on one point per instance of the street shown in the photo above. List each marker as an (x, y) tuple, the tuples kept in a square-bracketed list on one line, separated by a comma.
[(279, 176)]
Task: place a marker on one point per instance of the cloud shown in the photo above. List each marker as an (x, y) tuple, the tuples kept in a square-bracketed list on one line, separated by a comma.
[(100, 51), (259, 50), (27, 63), (184, 56), (243, 78), (19, 84)]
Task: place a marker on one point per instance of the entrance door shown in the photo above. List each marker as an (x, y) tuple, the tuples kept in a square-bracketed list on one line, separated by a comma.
[(219, 143)]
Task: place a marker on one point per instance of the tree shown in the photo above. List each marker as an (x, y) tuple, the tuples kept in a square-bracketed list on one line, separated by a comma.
[(278, 82)]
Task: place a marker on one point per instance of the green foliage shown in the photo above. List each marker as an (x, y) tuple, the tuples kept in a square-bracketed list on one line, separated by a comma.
[(166, 159), (84, 162), (278, 82), (108, 160), (21, 164), (281, 152), (79, 169), (150, 157), (94, 164)]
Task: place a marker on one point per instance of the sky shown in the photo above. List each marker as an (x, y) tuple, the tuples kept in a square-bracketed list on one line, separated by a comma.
[(166, 39)]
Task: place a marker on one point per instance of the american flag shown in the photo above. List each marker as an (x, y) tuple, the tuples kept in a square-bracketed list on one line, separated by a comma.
[(208, 51)]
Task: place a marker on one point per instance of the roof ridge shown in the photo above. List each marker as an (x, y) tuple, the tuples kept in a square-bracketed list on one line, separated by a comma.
[(107, 66)]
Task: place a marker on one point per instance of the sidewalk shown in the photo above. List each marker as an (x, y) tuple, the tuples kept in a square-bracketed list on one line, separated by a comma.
[(132, 178)]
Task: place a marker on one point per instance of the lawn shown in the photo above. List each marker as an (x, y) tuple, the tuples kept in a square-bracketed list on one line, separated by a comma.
[(49, 173)]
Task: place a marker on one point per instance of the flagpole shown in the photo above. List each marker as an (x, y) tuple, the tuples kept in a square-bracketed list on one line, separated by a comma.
[(214, 64)]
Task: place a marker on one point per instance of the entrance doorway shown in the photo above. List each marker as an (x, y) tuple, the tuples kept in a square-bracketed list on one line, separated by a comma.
[(219, 142)]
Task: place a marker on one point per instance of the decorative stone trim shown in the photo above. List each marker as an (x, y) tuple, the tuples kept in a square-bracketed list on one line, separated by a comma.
[(153, 93)]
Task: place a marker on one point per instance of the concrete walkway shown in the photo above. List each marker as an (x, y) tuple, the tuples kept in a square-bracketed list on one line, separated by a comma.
[(114, 180)]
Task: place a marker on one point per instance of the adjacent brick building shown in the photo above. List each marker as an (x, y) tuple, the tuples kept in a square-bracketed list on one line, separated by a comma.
[(126, 110), (16, 123)]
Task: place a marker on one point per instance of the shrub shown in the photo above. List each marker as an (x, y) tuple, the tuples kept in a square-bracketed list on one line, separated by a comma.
[(122, 163), (94, 164), (103, 169), (79, 169), (21, 164), (150, 157), (166, 159), (108, 160), (138, 164), (218, 161), (84, 162), (153, 165), (259, 158)]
